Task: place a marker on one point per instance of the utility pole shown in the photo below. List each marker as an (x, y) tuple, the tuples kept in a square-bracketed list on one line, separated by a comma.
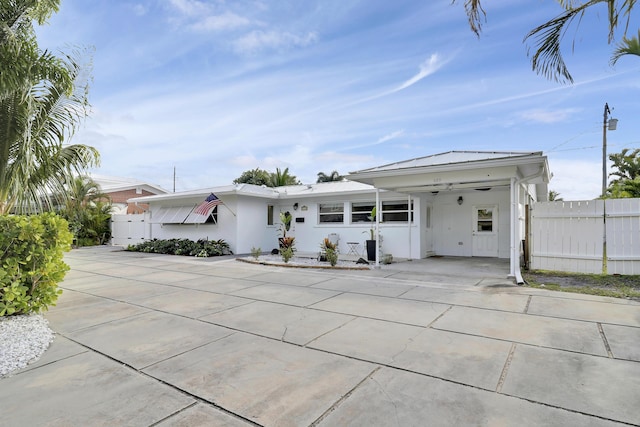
[(613, 124)]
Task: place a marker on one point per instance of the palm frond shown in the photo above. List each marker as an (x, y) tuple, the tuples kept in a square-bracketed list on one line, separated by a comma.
[(547, 59), (476, 15), (628, 46)]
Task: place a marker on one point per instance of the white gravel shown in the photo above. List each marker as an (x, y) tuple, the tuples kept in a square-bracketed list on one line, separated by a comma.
[(23, 339), (303, 261)]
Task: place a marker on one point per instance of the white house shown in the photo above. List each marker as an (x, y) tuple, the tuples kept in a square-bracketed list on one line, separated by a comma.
[(459, 203)]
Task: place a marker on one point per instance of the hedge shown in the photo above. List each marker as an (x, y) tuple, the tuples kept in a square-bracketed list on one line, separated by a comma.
[(200, 248), (31, 256)]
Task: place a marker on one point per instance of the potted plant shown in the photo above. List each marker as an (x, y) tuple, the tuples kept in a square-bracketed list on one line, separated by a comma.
[(285, 225), (371, 243)]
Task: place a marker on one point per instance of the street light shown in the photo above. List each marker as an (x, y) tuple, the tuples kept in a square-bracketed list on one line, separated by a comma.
[(613, 124)]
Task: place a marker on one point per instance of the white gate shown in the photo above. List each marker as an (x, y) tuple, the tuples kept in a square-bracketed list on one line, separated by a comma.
[(570, 236), (130, 229), (623, 236)]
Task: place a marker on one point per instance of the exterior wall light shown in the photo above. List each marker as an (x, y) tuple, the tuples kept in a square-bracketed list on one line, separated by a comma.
[(460, 200)]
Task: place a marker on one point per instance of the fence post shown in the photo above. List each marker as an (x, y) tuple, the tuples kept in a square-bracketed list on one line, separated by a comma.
[(604, 238)]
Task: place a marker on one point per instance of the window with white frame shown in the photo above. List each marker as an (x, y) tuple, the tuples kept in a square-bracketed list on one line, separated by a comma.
[(330, 213), (361, 211), (396, 211), (269, 214)]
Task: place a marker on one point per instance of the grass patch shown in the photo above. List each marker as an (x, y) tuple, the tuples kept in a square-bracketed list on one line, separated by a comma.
[(616, 286)]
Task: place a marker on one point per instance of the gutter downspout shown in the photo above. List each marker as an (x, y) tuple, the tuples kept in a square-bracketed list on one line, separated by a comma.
[(514, 256), (515, 219), (409, 223)]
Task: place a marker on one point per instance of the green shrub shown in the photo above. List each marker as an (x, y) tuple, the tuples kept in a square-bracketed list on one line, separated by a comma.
[(31, 257), (332, 256), (201, 248), (286, 254), (330, 251), (255, 252), (90, 224)]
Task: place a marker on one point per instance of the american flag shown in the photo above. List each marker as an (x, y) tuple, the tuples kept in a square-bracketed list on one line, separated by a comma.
[(204, 207)]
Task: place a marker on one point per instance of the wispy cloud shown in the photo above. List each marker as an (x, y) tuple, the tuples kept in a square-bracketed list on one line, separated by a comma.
[(428, 67), (225, 21), (259, 40), (205, 17), (381, 140), (190, 7), (139, 9), (547, 116), (390, 136)]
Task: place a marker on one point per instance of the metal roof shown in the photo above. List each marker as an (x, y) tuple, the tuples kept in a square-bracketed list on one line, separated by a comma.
[(450, 158)]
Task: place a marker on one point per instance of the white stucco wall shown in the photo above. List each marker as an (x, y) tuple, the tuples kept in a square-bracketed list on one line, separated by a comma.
[(310, 233), (453, 223), (252, 228)]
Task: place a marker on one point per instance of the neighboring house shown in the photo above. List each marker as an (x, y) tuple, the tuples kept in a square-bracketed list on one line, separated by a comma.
[(122, 189), (460, 203)]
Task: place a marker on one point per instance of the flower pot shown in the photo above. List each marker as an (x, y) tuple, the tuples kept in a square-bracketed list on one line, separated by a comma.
[(371, 250)]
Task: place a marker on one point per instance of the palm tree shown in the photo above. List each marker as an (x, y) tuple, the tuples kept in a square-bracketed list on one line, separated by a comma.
[(88, 211), (627, 164), (83, 191), (554, 196), (18, 46), (40, 107), (622, 189), (333, 176), (547, 57), (281, 178)]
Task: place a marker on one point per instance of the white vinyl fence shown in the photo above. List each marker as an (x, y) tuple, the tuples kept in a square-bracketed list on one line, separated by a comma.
[(570, 236), (130, 229)]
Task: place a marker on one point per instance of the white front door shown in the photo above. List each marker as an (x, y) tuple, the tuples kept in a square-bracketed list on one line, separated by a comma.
[(485, 231)]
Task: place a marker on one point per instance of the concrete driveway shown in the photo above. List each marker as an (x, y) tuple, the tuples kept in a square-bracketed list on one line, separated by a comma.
[(155, 340)]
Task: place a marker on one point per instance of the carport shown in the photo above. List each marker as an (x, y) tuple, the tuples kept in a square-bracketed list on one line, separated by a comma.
[(468, 203)]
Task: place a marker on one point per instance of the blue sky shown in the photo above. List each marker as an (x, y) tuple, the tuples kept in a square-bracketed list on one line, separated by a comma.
[(218, 87)]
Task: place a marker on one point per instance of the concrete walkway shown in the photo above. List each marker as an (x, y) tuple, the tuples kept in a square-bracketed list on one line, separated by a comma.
[(172, 341)]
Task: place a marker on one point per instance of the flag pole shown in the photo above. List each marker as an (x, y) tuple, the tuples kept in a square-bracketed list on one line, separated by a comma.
[(225, 205)]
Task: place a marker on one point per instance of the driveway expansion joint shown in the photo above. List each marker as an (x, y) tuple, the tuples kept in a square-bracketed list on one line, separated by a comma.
[(343, 398), (505, 369), (605, 341), (526, 307)]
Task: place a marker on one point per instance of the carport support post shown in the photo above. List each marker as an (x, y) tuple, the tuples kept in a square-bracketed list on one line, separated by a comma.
[(514, 229), (378, 213)]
